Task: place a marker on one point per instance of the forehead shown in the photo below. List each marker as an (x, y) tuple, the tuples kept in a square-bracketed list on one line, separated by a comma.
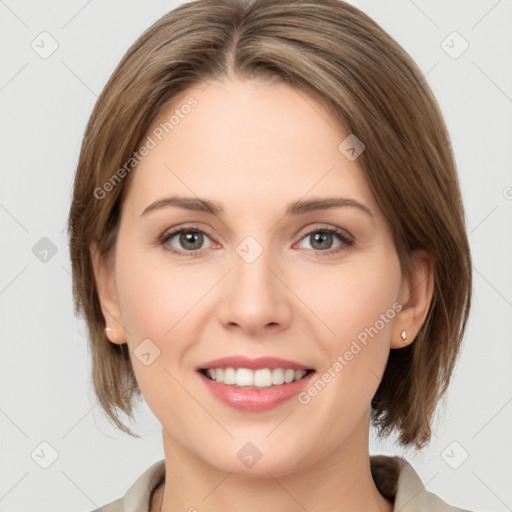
[(244, 141)]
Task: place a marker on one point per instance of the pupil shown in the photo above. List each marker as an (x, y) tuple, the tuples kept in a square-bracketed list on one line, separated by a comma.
[(323, 236), (192, 237)]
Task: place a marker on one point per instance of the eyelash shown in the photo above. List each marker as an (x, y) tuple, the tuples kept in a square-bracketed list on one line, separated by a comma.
[(342, 236)]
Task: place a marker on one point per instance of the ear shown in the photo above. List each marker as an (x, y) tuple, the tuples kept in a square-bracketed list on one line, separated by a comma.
[(104, 276), (415, 297)]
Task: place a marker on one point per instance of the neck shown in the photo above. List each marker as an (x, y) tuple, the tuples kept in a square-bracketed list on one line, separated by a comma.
[(342, 481)]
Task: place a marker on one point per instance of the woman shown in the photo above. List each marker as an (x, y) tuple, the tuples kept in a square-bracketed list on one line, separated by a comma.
[(268, 244)]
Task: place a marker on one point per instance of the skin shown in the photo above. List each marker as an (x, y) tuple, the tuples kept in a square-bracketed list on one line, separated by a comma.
[(254, 147)]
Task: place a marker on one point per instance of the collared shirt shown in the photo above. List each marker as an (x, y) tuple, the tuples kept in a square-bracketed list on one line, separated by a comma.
[(394, 477)]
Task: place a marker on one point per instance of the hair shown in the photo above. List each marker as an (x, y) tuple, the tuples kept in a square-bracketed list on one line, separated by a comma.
[(331, 51)]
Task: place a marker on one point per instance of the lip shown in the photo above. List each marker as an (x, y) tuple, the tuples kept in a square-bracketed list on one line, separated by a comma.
[(255, 400), (253, 364)]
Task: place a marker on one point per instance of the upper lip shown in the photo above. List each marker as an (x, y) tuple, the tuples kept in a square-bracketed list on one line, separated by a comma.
[(253, 363)]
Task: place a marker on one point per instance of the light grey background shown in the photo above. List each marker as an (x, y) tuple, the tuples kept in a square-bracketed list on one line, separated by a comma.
[(46, 394)]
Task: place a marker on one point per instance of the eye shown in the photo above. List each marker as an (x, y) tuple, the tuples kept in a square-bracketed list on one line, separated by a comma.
[(321, 240), (190, 241)]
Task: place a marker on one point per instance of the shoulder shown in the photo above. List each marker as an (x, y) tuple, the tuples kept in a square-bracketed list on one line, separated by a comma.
[(397, 480), (138, 496), (114, 506)]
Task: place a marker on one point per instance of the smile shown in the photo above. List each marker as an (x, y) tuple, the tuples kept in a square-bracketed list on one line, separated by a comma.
[(254, 379)]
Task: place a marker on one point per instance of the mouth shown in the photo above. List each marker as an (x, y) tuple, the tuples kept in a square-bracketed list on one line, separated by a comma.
[(254, 379), (254, 385), (267, 394)]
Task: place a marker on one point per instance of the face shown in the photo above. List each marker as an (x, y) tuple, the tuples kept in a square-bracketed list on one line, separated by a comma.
[(261, 277)]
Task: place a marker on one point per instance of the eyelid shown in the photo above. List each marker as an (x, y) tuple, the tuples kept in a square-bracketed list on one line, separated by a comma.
[(327, 227)]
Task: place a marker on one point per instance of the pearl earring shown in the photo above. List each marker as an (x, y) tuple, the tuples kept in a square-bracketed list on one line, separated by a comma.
[(108, 329), (404, 336)]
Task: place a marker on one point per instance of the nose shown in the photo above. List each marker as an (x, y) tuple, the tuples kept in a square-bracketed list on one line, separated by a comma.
[(255, 297)]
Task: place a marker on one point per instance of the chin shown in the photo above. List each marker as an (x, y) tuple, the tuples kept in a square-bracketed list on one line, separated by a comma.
[(250, 461)]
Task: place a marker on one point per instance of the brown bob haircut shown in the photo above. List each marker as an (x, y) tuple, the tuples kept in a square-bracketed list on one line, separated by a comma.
[(333, 52)]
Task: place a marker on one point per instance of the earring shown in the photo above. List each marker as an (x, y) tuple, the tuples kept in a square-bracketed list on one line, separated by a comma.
[(403, 335), (108, 329)]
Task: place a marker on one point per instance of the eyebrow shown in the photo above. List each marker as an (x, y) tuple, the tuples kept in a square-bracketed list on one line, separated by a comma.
[(294, 208)]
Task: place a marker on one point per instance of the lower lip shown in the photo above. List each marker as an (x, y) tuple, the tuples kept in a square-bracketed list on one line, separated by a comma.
[(255, 400)]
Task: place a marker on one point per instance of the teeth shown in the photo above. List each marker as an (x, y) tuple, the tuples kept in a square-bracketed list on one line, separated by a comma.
[(229, 376), (262, 378)]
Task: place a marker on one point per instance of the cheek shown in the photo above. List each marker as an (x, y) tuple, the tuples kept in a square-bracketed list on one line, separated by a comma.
[(359, 312), (161, 303), (155, 297), (152, 310), (354, 299)]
